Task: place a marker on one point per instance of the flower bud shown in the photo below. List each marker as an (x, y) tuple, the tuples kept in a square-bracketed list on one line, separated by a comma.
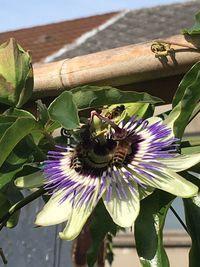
[(16, 74)]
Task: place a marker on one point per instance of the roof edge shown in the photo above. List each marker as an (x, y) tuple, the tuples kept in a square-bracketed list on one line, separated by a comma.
[(80, 40)]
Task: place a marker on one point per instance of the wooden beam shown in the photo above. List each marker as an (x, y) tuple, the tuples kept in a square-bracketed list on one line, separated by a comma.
[(117, 67), (171, 238)]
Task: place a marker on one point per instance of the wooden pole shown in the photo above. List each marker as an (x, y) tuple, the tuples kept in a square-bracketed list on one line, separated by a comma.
[(115, 67)]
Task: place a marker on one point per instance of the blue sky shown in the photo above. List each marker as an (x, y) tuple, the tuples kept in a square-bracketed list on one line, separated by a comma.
[(16, 14)]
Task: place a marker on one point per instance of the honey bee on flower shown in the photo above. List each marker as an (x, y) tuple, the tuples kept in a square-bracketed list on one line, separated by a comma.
[(118, 162)]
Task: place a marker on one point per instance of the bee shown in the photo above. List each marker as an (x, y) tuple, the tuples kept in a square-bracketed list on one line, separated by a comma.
[(115, 112), (86, 137), (93, 156), (76, 164), (90, 155), (122, 151)]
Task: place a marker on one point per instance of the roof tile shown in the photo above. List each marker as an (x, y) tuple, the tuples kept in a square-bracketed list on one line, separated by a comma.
[(47, 39)]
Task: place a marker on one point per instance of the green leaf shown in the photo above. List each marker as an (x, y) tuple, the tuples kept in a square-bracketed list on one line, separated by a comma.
[(149, 229), (51, 127), (4, 204), (15, 112), (7, 173), (16, 74), (195, 112), (14, 195), (13, 220), (185, 101), (14, 163), (9, 196), (5, 123), (95, 96), (14, 134), (195, 29), (102, 224), (192, 216), (64, 111), (109, 248), (187, 85)]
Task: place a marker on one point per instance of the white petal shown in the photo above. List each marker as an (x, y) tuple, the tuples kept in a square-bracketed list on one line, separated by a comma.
[(174, 114), (54, 211), (123, 211), (79, 216), (76, 221), (153, 120), (33, 180), (169, 181), (146, 191), (182, 162)]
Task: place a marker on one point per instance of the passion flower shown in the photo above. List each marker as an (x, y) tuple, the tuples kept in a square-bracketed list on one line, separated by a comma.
[(120, 166)]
